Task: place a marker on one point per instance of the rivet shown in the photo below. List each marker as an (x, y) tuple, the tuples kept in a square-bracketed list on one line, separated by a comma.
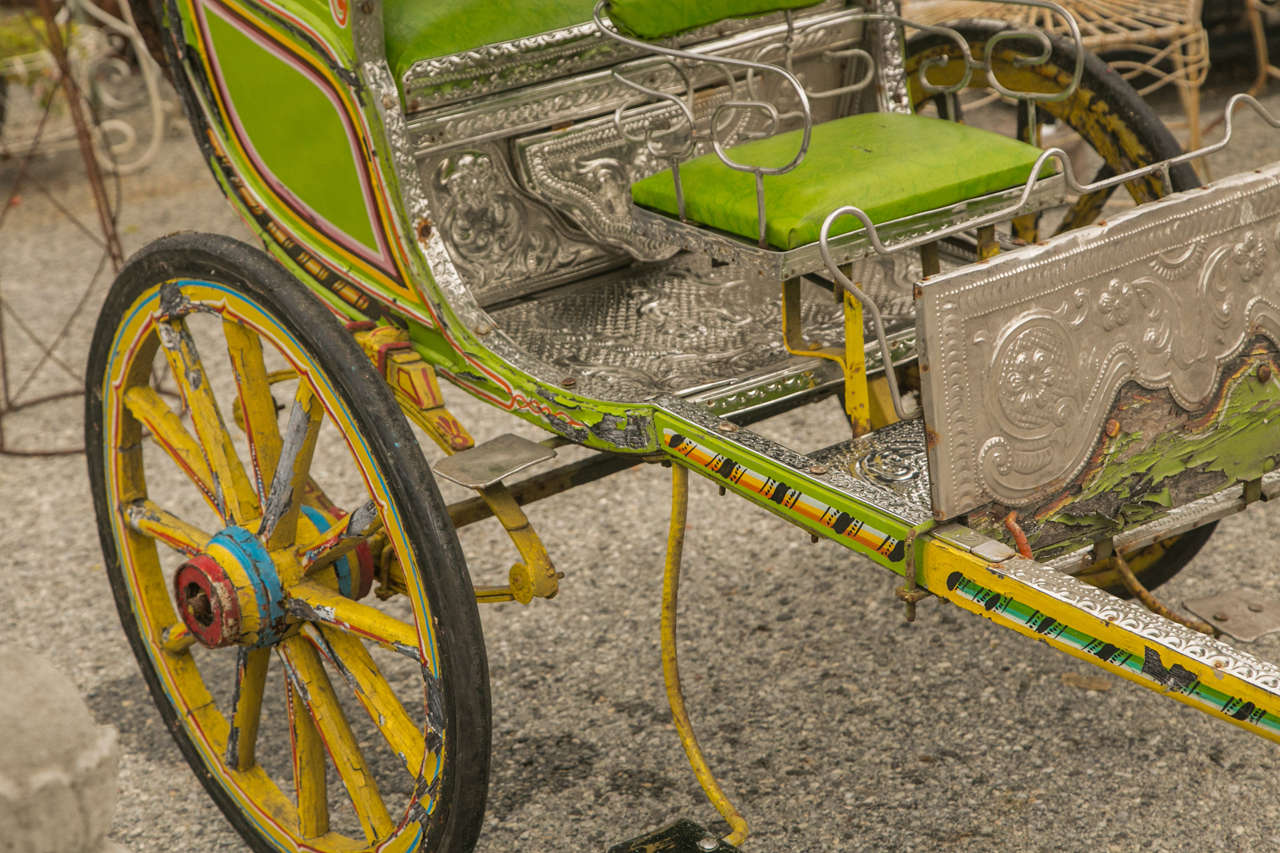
[(569, 381), (727, 426), (1113, 427), (1255, 608), (1264, 373), (424, 229), (817, 469), (1219, 617), (388, 101), (709, 844)]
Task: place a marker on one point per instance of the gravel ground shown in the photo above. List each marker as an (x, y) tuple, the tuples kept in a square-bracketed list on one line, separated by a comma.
[(831, 722)]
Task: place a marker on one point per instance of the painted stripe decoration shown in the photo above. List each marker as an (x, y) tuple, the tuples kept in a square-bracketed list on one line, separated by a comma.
[(1148, 665), (787, 497)]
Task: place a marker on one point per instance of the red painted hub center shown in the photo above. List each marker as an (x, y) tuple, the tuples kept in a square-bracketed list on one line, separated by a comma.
[(207, 602)]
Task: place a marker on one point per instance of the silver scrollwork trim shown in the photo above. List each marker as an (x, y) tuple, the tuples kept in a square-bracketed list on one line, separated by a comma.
[(1136, 619)]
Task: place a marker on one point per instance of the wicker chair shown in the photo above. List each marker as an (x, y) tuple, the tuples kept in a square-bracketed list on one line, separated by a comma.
[(1258, 25), (1166, 37)]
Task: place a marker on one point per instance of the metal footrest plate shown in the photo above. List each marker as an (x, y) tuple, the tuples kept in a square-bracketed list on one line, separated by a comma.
[(683, 836), (488, 463)]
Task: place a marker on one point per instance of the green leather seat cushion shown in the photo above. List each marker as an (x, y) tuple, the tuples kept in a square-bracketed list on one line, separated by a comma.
[(653, 19), (425, 29), (888, 164)]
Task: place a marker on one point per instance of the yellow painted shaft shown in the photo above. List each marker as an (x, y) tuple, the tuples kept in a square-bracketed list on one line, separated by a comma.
[(671, 667)]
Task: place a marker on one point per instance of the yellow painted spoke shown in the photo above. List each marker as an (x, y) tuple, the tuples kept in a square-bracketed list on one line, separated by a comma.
[(172, 437), (340, 537), (312, 684), (146, 518), (313, 602), (348, 655), (280, 517), (308, 767), (177, 639), (256, 405), (231, 484), (251, 677)]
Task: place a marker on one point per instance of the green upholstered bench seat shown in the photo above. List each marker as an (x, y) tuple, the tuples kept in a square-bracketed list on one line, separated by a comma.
[(425, 29), (888, 164), (651, 19)]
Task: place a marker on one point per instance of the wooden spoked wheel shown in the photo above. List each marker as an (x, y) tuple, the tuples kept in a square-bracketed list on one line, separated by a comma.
[(251, 474), (1106, 127)]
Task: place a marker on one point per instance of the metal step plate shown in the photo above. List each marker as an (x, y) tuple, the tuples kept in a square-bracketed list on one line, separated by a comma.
[(491, 461)]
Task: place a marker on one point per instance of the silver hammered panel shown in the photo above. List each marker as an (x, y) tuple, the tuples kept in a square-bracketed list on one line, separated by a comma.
[(507, 65), (587, 171), (1024, 355), (668, 329), (503, 243), (891, 461)]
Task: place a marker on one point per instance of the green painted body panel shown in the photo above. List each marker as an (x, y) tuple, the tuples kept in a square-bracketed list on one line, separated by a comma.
[(424, 30), (887, 164), (317, 163), (652, 19)]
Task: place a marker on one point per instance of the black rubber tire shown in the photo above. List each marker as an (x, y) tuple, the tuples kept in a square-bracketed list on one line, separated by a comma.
[(455, 823), (1126, 133)]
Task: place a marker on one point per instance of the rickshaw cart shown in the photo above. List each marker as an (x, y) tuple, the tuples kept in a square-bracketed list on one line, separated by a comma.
[(642, 227)]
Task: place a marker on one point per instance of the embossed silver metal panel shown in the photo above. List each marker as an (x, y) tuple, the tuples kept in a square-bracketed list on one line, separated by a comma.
[(587, 171), (595, 93), (890, 461), (506, 65), (1023, 356), (504, 243), (670, 329)]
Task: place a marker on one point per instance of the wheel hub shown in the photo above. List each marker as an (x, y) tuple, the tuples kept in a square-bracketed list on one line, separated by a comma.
[(231, 594)]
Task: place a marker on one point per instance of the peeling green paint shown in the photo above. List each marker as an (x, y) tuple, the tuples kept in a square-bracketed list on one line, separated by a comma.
[(1160, 456)]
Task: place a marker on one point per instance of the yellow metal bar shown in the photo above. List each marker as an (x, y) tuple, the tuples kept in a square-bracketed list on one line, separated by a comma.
[(856, 399), (534, 576), (670, 663), (1119, 636), (988, 248)]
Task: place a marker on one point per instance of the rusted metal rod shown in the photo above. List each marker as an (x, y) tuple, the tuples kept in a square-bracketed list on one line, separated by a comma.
[(59, 50)]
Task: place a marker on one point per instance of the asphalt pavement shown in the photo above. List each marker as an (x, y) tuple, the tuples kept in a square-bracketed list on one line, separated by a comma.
[(832, 723)]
